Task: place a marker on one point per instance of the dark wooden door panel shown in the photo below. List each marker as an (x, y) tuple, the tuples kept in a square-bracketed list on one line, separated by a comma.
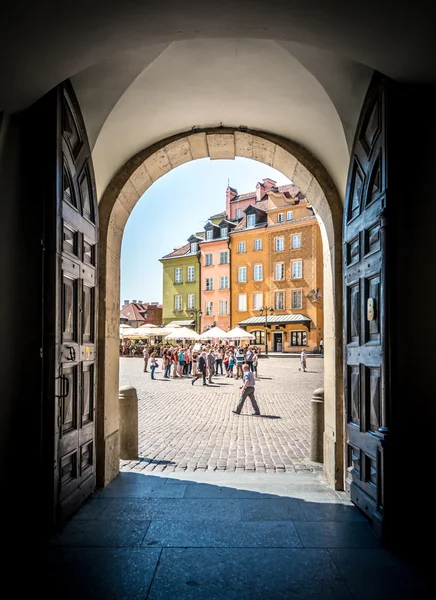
[(365, 324)]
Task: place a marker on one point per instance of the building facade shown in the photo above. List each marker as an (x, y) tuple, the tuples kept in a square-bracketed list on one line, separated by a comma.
[(137, 313)]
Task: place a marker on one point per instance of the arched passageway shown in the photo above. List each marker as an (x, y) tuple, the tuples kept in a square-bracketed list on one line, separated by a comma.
[(115, 206)]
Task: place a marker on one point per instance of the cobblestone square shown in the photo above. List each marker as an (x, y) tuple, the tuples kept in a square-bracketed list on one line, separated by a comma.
[(192, 428)]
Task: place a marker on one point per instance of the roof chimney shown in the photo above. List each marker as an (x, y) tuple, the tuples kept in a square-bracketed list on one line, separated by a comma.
[(133, 301), (230, 194), (126, 302), (269, 183), (260, 191)]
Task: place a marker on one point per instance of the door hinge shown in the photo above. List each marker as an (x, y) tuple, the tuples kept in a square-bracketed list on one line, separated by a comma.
[(40, 352)]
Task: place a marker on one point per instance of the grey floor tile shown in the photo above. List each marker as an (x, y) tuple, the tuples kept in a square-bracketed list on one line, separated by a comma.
[(206, 534), (101, 533), (272, 509), (92, 509), (203, 490), (129, 478), (378, 574), (144, 491), (173, 509), (96, 574), (338, 534), (247, 574), (323, 511)]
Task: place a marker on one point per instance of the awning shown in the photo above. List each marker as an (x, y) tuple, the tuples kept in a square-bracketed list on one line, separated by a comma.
[(298, 319)]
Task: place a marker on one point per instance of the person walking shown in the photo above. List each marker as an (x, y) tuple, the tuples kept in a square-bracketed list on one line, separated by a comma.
[(166, 364), (255, 362), (153, 364), (210, 359), (219, 361), (247, 392), (321, 346), (240, 360), (249, 355), (201, 368), (303, 361), (146, 355)]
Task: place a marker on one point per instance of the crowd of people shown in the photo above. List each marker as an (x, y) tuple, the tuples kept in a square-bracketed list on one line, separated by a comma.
[(205, 361)]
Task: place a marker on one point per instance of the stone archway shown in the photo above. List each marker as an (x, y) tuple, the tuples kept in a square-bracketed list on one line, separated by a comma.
[(115, 206)]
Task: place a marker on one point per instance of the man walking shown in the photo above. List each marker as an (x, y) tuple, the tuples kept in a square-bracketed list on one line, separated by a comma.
[(247, 391), (240, 360), (146, 356), (201, 368), (210, 359)]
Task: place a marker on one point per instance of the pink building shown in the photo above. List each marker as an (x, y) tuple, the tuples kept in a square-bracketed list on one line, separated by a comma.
[(215, 275), (236, 203)]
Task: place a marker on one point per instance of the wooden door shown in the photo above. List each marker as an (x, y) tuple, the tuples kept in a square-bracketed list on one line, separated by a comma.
[(365, 325), (76, 309)]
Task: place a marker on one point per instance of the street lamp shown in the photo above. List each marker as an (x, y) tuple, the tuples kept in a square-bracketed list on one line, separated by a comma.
[(196, 312), (265, 310)]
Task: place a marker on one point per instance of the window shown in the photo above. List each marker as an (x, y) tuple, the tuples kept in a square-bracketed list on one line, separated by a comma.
[(296, 240), (241, 247), (191, 301), (257, 300), (251, 220), (242, 302), (239, 213), (209, 309), (297, 269), (279, 301), (259, 337), (223, 307), (258, 244), (297, 299), (279, 244), (224, 282), (209, 234), (224, 232), (298, 338), (177, 302), (191, 274), (209, 283), (194, 247), (224, 258), (178, 275), (242, 274), (258, 272), (289, 215), (280, 218), (279, 271), (209, 260)]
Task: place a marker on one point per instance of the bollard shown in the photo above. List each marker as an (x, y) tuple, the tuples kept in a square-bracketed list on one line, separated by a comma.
[(128, 399), (317, 432)]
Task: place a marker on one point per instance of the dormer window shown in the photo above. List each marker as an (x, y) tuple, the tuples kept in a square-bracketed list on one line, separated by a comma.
[(224, 232), (194, 247), (209, 234), (251, 220)]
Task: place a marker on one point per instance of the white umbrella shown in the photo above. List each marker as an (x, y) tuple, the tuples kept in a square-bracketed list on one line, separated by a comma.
[(182, 333), (237, 333), (213, 333)]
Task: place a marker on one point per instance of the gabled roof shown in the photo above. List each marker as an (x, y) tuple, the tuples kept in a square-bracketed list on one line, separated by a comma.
[(134, 311), (218, 215), (209, 224), (182, 251), (195, 238), (227, 222)]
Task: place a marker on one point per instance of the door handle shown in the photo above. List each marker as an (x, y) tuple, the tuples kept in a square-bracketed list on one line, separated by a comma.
[(71, 353), (65, 387)]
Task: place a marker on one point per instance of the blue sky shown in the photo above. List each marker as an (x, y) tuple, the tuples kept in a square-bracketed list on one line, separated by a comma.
[(172, 209)]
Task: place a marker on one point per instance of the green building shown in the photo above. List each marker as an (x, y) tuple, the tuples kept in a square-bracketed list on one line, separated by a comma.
[(181, 285)]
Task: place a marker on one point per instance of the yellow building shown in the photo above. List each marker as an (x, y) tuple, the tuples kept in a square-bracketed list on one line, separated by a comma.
[(276, 273)]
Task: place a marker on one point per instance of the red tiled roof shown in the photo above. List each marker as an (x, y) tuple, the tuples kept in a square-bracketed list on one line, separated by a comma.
[(243, 197), (219, 215), (179, 251), (134, 311)]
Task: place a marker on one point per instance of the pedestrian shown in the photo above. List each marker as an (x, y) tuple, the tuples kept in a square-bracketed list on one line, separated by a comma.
[(219, 361), (247, 388), (201, 368), (146, 356), (303, 361), (255, 362), (240, 360), (166, 364), (210, 359), (249, 355), (321, 346), (153, 364), (231, 364)]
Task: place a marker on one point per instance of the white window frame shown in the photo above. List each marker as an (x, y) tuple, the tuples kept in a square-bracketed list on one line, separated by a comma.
[(209, 234), (191, 301), (242, 304), (178, 275), (295, 269), (224, 307), (191, 274), (298, 293), (242, 270), (251, 221), (209, 308), (257, 300), (238, 213), (281, 218), (242, 248), (257, 242), (225, 252), (224, 232), (209, 284), (295, 237), (257, 272), (289, 215), (279, 305), (178, 302), (279, 241), (282, 266), (208, 259), (225, 279), (194, 247)]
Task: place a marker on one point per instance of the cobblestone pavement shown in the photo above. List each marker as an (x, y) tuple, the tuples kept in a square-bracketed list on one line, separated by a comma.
[(192, 428)]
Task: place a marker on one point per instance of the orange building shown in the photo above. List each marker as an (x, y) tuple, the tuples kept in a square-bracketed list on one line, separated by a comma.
[(277, 269)]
